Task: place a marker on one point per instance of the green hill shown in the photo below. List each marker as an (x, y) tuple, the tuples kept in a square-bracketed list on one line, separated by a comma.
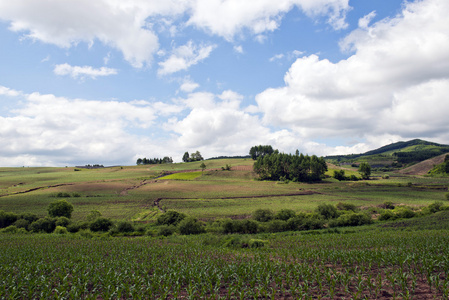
[(395, 155)]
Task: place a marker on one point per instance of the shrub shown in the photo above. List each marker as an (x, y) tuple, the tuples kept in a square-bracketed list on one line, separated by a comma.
[(7, 218), (29, 217), (447, 196), (101, 224), (339, 175), (388, 205), (387, 215), (405, 213), (21, 223), (46, 224), (166, 230), (9, 229), (351, 219), (75, 227), (256, 243), (263, 215), (60, 208), (353, 178), (328, 211), (346, 206), (170, 217), (295, 223), (124, 226), (311, 223), (63, 195), (191, 225), (435, 207), (60, 230), (237, 242), (93, 215), (285, 214), (276, 226), (62, 221)]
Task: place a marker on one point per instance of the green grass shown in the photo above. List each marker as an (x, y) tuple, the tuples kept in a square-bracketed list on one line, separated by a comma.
[(130, 192), (183, 176)]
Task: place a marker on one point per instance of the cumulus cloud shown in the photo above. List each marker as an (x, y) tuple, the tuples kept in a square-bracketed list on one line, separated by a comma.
[(118, 24), (228, 18), (83, 72), (127, 26), (217, 125), (393, 83), (50, 130), (184, 57)]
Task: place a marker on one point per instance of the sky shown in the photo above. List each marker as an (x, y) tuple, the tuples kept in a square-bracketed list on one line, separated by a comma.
[(110, 81)]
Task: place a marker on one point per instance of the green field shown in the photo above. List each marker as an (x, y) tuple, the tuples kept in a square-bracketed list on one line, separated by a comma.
[(128, 192), (403, 258)]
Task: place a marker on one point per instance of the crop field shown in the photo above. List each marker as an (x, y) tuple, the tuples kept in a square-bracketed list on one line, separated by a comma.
[(367, 263), (128, 193), (399, 259)]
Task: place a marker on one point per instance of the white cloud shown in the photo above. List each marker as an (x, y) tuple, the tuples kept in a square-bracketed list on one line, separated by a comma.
[(82, 72), (184, 57), (393, 84), (238, 49), (289, 55), (50, 130), (127, 26), (228, 18), (216, 125), (276, 57), (364, 22), (188, 86)]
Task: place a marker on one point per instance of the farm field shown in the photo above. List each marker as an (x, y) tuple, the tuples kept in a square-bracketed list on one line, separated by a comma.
[(400, 259), (130, 193), (364, 263)]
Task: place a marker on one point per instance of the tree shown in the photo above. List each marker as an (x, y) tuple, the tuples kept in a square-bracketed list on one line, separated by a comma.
[(260, 150), (196, 156), (365, 170), (202, 166), (186, 157), (60, 208)]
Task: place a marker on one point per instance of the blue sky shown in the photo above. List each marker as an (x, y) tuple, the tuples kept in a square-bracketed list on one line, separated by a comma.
[(110, 81)]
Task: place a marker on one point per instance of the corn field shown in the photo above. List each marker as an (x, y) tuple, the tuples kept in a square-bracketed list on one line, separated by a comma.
[(367, 264)]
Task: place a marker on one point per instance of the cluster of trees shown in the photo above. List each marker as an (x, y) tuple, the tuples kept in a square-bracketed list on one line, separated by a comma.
[(195, 156), (419, 155), (154, 161), (260, 150), (298, 167), (364, 170)]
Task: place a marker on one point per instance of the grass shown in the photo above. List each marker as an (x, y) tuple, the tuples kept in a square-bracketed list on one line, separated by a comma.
[(183, 176), (131, 192)]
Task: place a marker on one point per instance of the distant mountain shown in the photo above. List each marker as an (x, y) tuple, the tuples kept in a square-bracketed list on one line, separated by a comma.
[(396, 154)]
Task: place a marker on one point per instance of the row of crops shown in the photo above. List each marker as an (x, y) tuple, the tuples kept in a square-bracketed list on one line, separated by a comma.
[(367, 263)]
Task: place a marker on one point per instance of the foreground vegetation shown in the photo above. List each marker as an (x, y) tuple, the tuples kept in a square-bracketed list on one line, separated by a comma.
[(365, 263)]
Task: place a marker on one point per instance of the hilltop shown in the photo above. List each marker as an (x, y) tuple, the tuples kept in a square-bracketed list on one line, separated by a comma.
[(396, 155)]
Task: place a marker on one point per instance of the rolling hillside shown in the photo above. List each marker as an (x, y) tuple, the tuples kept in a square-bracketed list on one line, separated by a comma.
[(397, 155)]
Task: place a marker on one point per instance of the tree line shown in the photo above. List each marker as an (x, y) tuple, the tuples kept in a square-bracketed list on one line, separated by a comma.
[(154, 161), (297, 168)]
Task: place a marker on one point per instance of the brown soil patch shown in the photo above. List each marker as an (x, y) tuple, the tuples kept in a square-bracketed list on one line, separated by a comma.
[(423, 167)]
